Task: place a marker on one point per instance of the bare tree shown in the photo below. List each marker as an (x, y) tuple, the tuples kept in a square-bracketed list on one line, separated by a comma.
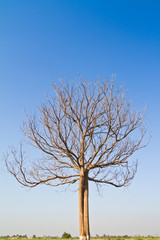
[(86, 132)]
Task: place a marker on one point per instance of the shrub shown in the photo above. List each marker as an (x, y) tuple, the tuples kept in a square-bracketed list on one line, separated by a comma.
[(66, 235)]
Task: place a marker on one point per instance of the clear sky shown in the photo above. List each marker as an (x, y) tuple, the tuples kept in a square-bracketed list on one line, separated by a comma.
[(42, 41)]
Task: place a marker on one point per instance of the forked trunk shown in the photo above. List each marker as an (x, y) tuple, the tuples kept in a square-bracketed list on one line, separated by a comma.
[(83, 206), (86, 207)]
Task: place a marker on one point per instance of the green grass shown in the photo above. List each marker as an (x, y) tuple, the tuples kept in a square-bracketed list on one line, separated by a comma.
[(138, 238)]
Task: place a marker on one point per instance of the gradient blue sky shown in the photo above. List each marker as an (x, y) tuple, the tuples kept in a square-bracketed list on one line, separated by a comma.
[(42, 41)]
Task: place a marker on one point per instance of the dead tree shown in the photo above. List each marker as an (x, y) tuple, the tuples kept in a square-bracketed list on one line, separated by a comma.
[(86, 132)]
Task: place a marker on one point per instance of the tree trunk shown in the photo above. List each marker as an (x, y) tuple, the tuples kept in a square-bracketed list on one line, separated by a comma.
[(83, 206), (86, 207)]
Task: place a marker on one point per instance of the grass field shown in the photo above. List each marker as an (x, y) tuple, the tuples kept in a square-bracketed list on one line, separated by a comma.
[(138, 238)]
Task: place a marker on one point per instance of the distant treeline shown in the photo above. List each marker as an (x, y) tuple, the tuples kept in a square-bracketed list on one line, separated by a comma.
[(104, 236), (26, 237), (121, 237)]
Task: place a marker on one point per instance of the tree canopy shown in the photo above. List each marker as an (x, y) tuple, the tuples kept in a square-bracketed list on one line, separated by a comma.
[(85, 132)]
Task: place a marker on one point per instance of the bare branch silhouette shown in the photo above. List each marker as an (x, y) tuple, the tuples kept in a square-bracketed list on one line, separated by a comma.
[(86, 132)]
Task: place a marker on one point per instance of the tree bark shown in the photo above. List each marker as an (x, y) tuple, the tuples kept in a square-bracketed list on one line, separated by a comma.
[(86, 207), (83, 207)]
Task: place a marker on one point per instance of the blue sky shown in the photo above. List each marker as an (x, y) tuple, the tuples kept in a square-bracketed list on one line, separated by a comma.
[(42, 41)]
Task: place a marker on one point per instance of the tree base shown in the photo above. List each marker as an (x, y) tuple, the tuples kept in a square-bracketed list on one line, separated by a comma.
[(84, 237)]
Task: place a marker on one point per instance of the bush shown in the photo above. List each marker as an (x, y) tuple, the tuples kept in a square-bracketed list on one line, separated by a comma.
[(66, 235)]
